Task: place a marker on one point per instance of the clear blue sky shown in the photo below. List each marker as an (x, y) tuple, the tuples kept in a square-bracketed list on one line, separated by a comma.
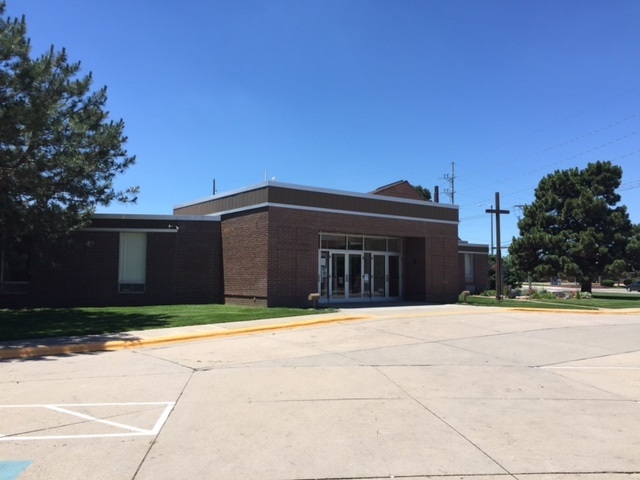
[(355, 94)]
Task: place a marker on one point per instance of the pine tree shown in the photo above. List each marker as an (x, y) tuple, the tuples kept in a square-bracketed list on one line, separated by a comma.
[(59, 151), (574, 227)]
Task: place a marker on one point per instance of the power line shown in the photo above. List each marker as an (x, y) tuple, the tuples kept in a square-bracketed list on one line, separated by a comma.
[(572, 157), (566, 142)]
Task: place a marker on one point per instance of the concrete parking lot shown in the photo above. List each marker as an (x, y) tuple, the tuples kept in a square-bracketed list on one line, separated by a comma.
[(413, 392)]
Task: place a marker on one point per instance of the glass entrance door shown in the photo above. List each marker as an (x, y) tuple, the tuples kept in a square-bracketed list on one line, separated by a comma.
[(357, 268), (338, 275), (323, 275), (355, 276), (366, 276), (379, 274)]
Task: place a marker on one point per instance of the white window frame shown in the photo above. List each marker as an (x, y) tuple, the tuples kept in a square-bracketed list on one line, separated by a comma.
[(469, 270), (132, 262)]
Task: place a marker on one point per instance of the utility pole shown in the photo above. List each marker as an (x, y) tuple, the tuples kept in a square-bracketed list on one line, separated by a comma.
[(451, 179), (497, 213)]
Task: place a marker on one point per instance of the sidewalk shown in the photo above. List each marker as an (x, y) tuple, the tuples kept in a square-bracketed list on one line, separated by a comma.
[(165, 336), (161, 336)]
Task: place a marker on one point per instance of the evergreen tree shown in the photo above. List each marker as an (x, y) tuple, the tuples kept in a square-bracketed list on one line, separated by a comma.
[(574, 227), (633, 251), (59, 151), (425, 193)]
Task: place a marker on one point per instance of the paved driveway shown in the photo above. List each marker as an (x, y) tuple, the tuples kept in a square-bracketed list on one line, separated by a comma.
[(407, 392)]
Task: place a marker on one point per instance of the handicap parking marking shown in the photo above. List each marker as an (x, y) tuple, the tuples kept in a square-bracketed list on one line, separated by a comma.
[(71, 411), (11, 470)]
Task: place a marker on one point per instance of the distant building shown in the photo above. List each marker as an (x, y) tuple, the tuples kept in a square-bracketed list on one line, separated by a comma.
[(271, 244)]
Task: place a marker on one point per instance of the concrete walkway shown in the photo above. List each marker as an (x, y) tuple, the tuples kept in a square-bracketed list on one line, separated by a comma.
[(401, 392), (161, 336)]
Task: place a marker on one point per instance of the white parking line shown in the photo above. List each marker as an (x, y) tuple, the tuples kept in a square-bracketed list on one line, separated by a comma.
[(131, 431)]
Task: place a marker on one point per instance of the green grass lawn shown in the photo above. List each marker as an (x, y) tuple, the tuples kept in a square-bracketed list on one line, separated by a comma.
[(597, 302), (50, 322)]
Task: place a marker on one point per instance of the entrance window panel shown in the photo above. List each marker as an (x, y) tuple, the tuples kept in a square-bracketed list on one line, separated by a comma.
[(336, 242), (355, 243), (379, 287), (355, 267), (355, 275), (394, 276), (375, 244), (337, 275)]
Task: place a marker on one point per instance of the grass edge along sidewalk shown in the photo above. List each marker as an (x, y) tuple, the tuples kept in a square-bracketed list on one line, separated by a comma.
[(75, 345), (26, 324), (596, 303)]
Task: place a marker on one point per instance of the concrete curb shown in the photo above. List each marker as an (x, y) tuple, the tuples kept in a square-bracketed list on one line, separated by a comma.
[(622, 311), (111, 345)]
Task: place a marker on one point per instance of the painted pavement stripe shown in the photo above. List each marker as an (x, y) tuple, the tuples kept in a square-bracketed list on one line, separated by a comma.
[(95, 419), (130, 430)]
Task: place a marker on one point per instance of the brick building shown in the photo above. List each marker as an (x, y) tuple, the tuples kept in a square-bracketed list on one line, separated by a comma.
[(271, 244), (123, 260)]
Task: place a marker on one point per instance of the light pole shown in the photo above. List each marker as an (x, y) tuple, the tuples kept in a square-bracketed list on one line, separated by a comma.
[(491, 218)]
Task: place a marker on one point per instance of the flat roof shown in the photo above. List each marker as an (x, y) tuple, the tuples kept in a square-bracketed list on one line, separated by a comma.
[(303, 188), (283, 195)]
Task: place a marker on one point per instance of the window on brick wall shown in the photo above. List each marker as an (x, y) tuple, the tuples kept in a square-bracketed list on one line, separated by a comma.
[(373, 243), (338, 242), (132, 269), (469, 275), (15, 269)]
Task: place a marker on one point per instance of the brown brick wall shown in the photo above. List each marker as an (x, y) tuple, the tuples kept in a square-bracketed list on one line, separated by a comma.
[(265, 257), (293, 258), (415, 272), (245, 257), (183, 267), (293, 265), (199, 272), (400, 190)]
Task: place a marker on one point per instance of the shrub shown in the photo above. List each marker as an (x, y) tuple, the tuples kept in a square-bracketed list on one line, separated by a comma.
[(627, 281), (489, 293), (607, 283), (544, 295)]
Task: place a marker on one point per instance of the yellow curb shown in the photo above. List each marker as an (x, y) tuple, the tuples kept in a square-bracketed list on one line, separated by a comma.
[(29, 352), (620, 311)]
